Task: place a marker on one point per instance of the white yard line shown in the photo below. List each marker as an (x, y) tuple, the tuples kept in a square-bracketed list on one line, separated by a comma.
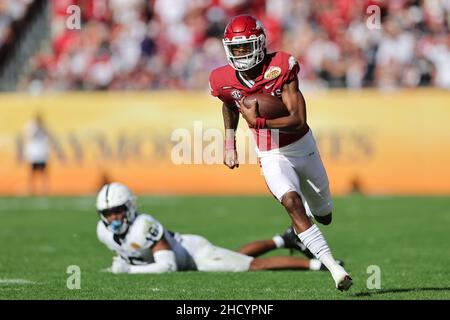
[(16, 281)]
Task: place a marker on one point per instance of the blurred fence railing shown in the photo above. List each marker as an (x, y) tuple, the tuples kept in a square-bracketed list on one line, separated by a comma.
[(166, 142), (28, 35)]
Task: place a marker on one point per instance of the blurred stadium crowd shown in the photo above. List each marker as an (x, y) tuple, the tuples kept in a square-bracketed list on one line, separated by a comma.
[(11, 12), (174, 44)]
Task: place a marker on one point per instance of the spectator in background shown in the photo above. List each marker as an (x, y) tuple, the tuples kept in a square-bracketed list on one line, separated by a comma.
[(172, 44), (36, 152), (11, 11)]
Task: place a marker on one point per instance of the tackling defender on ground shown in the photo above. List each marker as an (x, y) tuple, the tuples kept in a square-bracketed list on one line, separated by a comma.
[(143, 245)]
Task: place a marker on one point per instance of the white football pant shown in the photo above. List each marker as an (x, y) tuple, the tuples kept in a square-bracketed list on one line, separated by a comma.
[(298, 167)]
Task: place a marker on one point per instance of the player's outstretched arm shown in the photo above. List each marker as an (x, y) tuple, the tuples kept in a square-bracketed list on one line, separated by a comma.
[(164, 260), (296, 105), (231, 121)]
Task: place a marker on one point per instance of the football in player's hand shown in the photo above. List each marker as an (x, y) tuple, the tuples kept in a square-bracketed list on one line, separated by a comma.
[(269, 107)]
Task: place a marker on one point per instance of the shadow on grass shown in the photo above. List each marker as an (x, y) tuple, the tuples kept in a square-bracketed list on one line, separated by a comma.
[(399, 290)]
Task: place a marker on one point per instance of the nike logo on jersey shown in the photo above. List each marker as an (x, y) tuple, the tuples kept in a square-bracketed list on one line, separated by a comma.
[(269, 86)]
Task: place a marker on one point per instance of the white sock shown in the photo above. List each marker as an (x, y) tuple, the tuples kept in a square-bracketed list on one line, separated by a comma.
[(314, 240), (279, 242), (314, 264)]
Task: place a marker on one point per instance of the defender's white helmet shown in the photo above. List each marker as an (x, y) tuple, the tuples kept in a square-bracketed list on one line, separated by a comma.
[(114, 197)]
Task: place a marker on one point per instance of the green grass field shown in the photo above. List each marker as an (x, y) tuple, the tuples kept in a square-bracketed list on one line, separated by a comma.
[(407, 237)]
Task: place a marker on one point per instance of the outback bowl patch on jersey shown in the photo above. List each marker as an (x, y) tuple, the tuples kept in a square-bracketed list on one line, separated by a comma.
[(272, 73)]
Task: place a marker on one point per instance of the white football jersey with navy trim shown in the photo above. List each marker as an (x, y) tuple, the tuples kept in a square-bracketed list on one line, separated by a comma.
[(135, 245)]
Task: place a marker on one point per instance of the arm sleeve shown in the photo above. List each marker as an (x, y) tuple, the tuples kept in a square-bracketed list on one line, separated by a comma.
[(164, 262), (293, 69), (213, 89)]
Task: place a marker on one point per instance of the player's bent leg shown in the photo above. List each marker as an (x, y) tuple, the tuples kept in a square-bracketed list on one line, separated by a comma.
[(224, 260), (257, 248), (210, 258), (284, 183), (314, 186), (289, 240), (313, 239), (294, 206), (279, 263), (325, 220), (316, 199), (279, 175)]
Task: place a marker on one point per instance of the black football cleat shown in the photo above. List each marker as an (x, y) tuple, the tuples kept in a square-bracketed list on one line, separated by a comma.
[(345, 283), (323, 268), (292, 242)]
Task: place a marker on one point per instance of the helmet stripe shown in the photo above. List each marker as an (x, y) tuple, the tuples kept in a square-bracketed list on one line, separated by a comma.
[(106, 194)]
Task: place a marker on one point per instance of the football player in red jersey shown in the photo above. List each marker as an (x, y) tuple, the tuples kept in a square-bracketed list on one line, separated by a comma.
[(287, 151)]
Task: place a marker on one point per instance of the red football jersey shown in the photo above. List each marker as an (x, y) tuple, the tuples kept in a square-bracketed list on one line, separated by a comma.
[(229, 86)]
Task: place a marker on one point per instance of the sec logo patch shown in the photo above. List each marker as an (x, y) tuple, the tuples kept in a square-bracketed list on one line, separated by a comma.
[(236, 94), (272, 73)]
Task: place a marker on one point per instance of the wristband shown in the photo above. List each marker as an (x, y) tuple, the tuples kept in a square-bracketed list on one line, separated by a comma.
[(230, 144), (260, 123)]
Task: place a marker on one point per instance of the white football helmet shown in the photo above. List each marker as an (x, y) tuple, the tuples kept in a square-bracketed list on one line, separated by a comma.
[(114, 197)]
